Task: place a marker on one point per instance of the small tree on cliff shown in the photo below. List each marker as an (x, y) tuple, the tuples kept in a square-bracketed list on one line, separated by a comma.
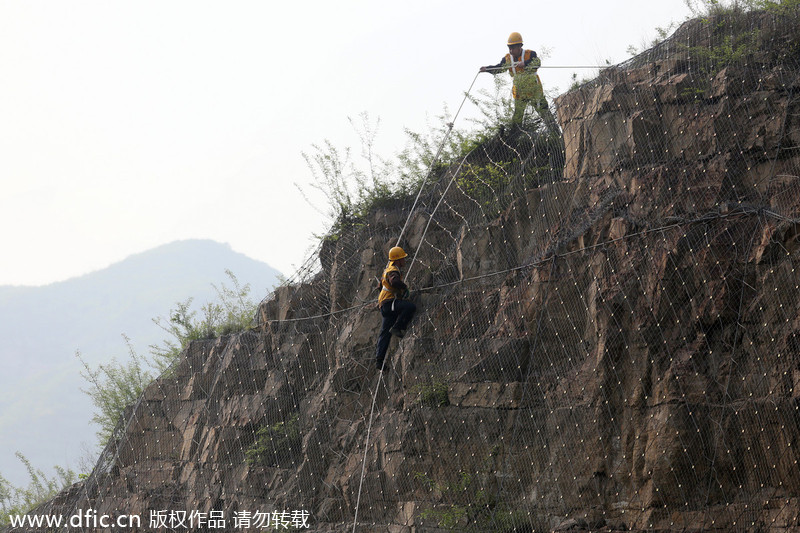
[(351, 187), (232, 312), (116, 385), (41, 488), (702, 8)]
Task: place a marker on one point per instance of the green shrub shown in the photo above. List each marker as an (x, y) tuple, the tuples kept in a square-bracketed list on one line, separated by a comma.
[(355, 187), (467, 507), (432, 393), (706, 8), (484, 184), (450, 517), (352, 188), (232, 313), (116, 385), (732, 49), (276, 444), (20, 500)]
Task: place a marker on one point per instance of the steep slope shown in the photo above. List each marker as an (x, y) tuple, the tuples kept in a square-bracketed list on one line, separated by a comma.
[(606, 340)]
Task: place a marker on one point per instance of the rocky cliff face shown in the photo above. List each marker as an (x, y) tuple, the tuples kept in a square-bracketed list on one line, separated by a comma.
[(608, 337)]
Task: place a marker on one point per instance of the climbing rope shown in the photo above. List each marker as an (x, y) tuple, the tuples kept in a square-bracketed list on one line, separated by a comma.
[(435, 159), (428, 173), (408, 218), (545, 245)]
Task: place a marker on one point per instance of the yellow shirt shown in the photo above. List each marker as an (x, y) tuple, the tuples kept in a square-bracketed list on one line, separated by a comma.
[(387, 291), (527, 85)]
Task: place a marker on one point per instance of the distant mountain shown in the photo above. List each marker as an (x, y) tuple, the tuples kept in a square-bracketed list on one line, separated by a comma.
[(43, 412)]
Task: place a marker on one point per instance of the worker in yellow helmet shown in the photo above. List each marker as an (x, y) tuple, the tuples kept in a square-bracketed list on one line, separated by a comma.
[(393, 302), (527, 87)]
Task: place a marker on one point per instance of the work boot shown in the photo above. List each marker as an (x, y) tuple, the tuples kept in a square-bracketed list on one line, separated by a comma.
[(399, 333)]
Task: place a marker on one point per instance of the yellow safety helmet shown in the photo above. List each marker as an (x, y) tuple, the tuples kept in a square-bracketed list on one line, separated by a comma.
[(514, 38), (397, 253)]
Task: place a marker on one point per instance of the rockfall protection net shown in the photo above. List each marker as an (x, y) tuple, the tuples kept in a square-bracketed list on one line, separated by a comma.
[(607, 333)]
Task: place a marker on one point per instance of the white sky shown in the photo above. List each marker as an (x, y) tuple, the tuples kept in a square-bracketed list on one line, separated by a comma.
[(129, 124)]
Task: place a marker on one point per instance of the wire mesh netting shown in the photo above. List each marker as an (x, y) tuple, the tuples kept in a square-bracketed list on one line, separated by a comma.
[(607, 335)]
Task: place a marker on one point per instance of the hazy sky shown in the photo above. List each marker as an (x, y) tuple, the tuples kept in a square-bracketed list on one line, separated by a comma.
[(128, 124)]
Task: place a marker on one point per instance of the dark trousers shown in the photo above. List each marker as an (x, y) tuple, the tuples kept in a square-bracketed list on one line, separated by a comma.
[(399, 318)]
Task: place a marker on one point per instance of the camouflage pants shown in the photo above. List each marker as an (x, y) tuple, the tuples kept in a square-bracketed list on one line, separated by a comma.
[(527, 90), (539, 104)]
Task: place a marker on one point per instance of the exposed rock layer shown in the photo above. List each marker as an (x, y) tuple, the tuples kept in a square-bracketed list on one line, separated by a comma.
[(620, 348)]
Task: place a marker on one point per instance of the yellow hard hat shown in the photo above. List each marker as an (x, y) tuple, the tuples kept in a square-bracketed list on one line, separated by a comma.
[(514, 38), (397, 253)]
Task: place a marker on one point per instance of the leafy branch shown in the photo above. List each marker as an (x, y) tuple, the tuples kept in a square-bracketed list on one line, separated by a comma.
[(41, 488), (117, 385)]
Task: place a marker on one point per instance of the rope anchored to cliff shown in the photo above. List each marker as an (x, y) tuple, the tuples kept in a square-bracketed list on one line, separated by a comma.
[(609, 338)]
